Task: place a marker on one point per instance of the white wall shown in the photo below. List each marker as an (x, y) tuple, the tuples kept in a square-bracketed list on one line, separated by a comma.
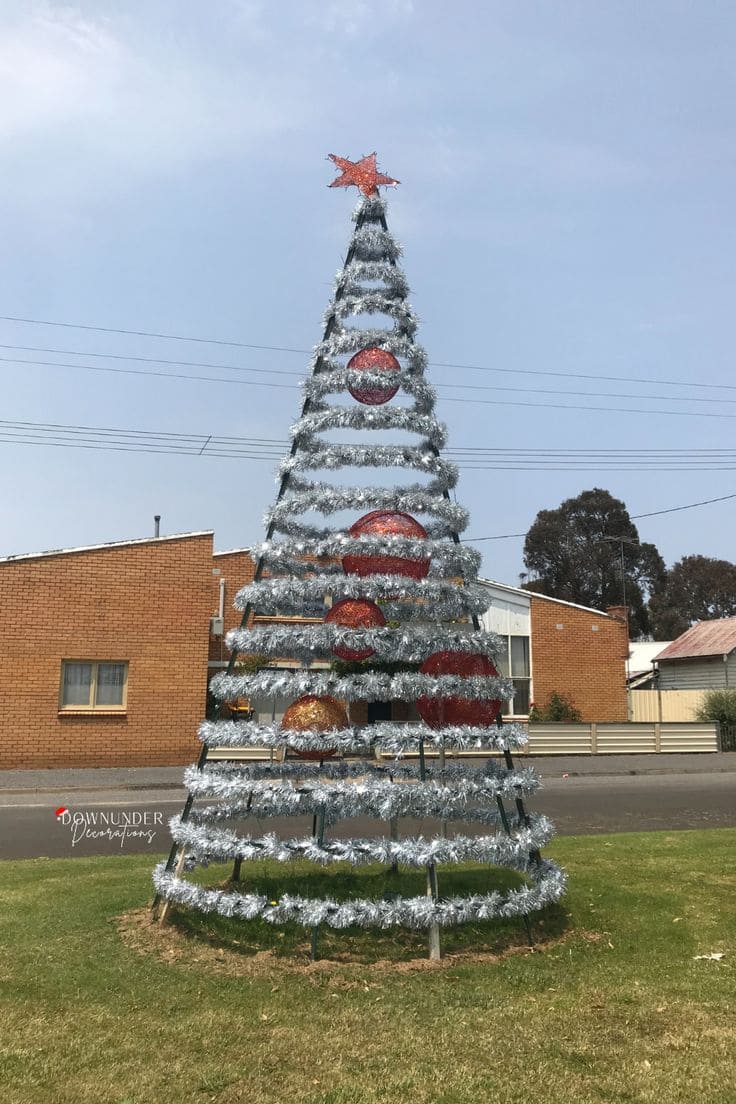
[(508, 614)]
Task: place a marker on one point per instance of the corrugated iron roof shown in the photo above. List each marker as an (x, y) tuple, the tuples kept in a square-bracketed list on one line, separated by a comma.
[(707, 638)]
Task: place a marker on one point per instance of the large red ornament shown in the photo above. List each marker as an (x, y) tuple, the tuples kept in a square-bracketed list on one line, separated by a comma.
[(386, 523), (438, 712), (363, 174), (374, 358), (355, 613), (312, 713)]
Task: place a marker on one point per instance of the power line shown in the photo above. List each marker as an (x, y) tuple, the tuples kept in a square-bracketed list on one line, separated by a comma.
[(634, 517), (152, 360), (690, 506), (148, 333), (469, 457), (445, 398), (308, 352), (300, 375), (163, 442), (148, 372)]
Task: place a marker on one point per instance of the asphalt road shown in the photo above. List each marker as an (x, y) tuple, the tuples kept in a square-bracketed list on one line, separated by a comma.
[(122, 822)]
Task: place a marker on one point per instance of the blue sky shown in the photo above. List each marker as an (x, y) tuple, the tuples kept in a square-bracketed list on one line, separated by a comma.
[(566, 206)]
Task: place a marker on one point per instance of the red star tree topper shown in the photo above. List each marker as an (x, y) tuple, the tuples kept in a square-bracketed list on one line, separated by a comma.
[(363, 174)]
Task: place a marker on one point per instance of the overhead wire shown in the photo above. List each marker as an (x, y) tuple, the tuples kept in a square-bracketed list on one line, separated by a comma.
[(300, 375), (634, 517), (269, 449), (468, 458), (445, 398), (301, 351)]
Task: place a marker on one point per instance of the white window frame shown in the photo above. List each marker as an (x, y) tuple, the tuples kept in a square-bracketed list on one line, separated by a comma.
[(510, 710), (92, 706)]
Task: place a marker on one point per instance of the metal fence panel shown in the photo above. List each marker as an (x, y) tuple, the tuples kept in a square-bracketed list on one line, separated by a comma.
[(560, 739), (626, 739), (622, 738), (664, 705)]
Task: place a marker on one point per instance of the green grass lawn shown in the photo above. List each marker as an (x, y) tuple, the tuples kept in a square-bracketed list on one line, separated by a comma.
[(613, 1008)]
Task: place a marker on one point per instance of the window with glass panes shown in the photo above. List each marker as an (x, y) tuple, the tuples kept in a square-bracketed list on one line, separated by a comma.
[(93, 684), (513, 663)]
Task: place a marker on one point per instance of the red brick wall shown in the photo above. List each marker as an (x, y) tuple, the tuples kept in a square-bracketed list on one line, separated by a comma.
[(236, 569), (581, 654), (146, 603)]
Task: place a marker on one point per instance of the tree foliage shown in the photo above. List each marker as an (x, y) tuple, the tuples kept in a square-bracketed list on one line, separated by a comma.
[(718, 705), (697, 588), (558, 708), (573, 556)]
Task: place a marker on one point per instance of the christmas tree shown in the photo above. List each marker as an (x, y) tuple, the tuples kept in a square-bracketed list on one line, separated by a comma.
[(400, 626)]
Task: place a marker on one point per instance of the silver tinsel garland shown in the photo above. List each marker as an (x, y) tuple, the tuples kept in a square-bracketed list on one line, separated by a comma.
[(316, 454), (357, 274), (308, 495), (359, 795), (548, 885), (208, 844), (326, 383), (367, 686), (493, 778), (385, 737), (374, 301), (443, 599), (371, 243), (305, 642), (321, 418), (289, 556), (302, 531)]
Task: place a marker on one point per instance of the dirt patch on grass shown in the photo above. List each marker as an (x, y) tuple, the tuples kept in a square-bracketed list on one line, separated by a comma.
[(170, 944)]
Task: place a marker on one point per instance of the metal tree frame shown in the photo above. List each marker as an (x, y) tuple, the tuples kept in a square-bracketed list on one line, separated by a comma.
[(177, 853)]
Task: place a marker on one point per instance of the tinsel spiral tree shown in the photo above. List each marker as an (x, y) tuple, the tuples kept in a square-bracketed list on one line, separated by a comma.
[(401, 603)]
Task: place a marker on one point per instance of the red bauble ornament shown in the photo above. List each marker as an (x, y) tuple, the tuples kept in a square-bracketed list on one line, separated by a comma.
[(312, 713), (374, 358), (355, 613), (437, 712), (386, 523)]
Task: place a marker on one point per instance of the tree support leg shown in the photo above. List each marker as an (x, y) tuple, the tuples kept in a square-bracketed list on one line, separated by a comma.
[(318, 831), (163, 912), (435, 952)]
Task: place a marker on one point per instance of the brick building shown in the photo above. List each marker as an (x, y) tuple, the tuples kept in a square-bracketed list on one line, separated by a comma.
[(105, 651), (556, 646)]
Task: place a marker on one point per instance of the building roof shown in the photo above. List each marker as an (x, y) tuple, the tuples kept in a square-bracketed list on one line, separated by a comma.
[(707, 638), (642, 653), (231, 551), (545, 597), (104, 547)]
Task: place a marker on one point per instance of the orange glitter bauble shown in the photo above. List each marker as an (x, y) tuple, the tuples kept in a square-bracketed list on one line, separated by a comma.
[(374, 358), (386, 523), (355, 613), (437, 712), (312, 713)]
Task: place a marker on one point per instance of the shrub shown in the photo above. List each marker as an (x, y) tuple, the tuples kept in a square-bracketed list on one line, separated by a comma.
[(558, 708), (718, 705)]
